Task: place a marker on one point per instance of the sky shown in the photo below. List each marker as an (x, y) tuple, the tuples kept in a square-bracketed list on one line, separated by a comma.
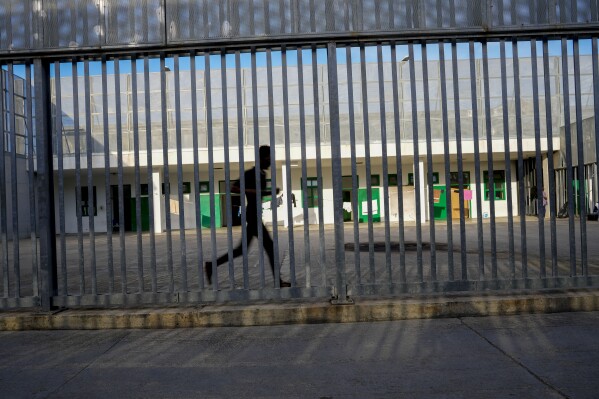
[(402, 51)]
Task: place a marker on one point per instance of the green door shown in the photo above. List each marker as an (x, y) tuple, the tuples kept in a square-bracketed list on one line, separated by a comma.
[(579, 202), (205, 209), (363, 205), (145, 214), (440, 202)]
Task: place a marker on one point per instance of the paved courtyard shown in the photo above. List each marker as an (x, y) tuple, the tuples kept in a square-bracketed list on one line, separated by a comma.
[(313, 257)]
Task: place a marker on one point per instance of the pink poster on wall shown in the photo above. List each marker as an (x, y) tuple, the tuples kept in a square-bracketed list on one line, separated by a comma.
[(467, 195)]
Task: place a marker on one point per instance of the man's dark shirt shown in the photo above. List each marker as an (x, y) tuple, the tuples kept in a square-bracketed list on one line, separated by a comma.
[(250, 183)]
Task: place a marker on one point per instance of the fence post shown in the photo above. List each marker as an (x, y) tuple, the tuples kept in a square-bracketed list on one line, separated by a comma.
[(45, 185), (341, 294)]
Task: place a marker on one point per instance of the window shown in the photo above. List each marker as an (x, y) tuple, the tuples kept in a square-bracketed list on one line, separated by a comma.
[(498, 184), (186, 188), (86, 202), (392, 180), (411, 178), (312, 192), (347, 186), (455, 178), (375, 180), (347, 182), (204, 187)]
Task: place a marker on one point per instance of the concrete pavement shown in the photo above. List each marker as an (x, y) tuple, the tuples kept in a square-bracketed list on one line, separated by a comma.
[(521, 356)]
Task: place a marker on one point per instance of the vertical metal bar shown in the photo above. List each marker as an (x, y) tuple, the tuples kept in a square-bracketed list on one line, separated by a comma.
[(28, 25), (508, 167), (452, 18), (3, 212), (241, 146), (295, 22), (439, 14), (283, 22), (446, 157), (151, 204), (273, 169), (337, 171), (541, 187), (520, 170), (8, 24), (477, 176), (73, 21), (166, 180), (391, 16), (266, 18), (354, 170), (59, 155), (107, 188), (569, 166), (595, 57), (145, 24), (288, 192), (429, 161), (458, 139), (138, 216), (31, 155), (210, 133), (75, 84), (119, 143), (196, 171), (490, 166), (416, 144), (315, 92), (499, 12), (91, 201), (223, 73), (252, 18), (550, 166), (366, 125), (182, 243), (312, 17), (398, 166), (45, 185), (582, 202), (12, 131), (377, 15), (300, 72), (383, 121), (258, 187), (132, 11), (192, 19)]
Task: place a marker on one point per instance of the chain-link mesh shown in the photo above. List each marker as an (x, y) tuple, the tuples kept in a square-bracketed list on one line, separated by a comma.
[(40, 24)]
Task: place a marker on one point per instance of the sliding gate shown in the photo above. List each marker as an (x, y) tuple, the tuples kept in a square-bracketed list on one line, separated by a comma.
[(402, 137)]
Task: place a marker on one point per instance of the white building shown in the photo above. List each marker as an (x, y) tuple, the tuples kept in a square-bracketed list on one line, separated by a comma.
[(179, 120)]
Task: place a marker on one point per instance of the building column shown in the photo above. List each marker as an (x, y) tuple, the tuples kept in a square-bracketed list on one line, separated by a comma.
[(421, 188), (286, 200), (157, 197)]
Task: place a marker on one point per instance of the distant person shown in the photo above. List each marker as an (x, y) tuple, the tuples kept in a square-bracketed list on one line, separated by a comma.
[(542, 203), (252, 220)]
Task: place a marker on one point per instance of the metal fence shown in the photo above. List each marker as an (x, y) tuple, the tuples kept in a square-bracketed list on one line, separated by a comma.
[(426, 156)]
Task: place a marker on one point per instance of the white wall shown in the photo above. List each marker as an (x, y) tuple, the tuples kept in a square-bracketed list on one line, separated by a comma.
[(501, 208)]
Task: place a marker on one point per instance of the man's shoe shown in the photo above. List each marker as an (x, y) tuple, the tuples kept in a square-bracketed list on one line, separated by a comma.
[(284, 284), (208, 270)]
